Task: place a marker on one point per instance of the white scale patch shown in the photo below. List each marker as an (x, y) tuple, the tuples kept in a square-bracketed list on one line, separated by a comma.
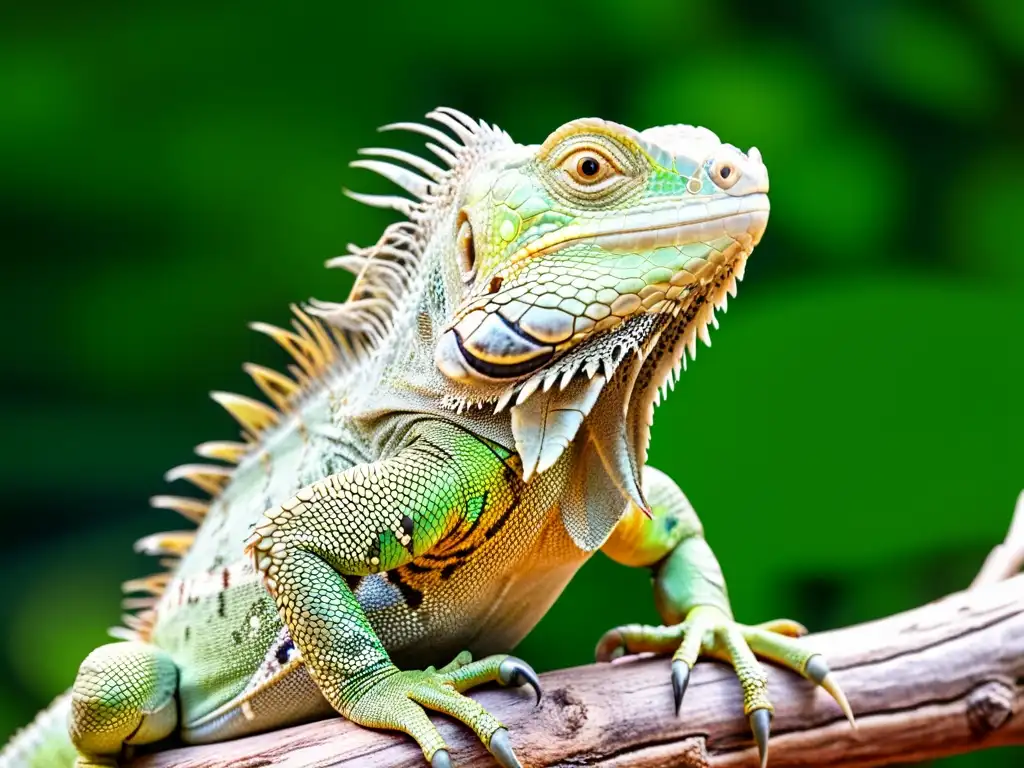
[(207, 585), (281, 655)]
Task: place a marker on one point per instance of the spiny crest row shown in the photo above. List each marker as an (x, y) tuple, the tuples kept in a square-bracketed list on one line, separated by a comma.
[(315, 349), (349, 331)]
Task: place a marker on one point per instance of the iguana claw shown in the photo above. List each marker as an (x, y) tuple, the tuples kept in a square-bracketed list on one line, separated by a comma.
[(680, 679), (817, 670), (761, 724), (502, 750), (441, 759), (513, 671)]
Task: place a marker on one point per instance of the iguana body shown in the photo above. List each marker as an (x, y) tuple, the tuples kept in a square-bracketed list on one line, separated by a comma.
[(452, 444)]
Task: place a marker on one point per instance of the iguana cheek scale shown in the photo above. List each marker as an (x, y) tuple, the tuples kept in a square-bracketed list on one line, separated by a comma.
[(447, 449)]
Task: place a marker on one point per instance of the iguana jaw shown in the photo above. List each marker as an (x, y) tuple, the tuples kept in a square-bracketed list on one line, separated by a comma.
[(486, 346), (620, 375), (645, 363)]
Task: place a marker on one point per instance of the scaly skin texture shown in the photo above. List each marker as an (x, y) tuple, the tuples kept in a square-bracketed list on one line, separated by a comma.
[(452, 444)]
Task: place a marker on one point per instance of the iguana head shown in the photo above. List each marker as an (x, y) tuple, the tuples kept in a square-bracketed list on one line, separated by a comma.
[(570, 240), (555, 279)]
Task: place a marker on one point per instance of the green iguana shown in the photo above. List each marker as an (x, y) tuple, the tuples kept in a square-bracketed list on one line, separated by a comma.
[(451, 445)]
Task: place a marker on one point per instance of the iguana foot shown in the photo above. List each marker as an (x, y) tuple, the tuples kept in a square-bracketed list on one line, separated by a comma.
[(709, 631), (124, 695), (398, 702)]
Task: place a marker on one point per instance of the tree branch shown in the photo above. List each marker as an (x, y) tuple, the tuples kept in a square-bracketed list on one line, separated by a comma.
[(938, 680)]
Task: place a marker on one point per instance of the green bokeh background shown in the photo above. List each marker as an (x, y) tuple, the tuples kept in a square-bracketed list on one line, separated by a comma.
[(170, 172)]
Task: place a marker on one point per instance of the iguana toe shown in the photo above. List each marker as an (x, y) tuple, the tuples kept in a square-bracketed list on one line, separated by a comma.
[(637, 638)]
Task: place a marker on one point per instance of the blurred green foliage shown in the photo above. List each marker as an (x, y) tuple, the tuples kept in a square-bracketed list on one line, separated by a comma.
[(171, 171)]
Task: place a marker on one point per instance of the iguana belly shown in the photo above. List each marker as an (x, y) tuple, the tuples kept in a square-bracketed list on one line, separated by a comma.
[(484, 602)]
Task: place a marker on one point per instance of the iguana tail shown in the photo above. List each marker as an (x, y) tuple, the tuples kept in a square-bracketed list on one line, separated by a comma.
[(45, 742)]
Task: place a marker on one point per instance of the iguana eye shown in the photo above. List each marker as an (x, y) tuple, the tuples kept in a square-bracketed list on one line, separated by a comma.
[(588, 168)]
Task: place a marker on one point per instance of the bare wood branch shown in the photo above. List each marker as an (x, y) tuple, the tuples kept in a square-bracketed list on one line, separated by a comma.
[(938, 680)]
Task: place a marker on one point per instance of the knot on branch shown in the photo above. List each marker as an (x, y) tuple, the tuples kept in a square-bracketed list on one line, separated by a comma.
[(694, 753), (989, 706), (571, 713)]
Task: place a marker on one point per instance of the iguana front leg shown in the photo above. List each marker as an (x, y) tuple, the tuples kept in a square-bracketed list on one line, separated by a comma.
[(691, 597), (373, 518)]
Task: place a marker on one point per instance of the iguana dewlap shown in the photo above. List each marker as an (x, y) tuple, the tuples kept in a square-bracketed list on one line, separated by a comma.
[(450, 445)]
